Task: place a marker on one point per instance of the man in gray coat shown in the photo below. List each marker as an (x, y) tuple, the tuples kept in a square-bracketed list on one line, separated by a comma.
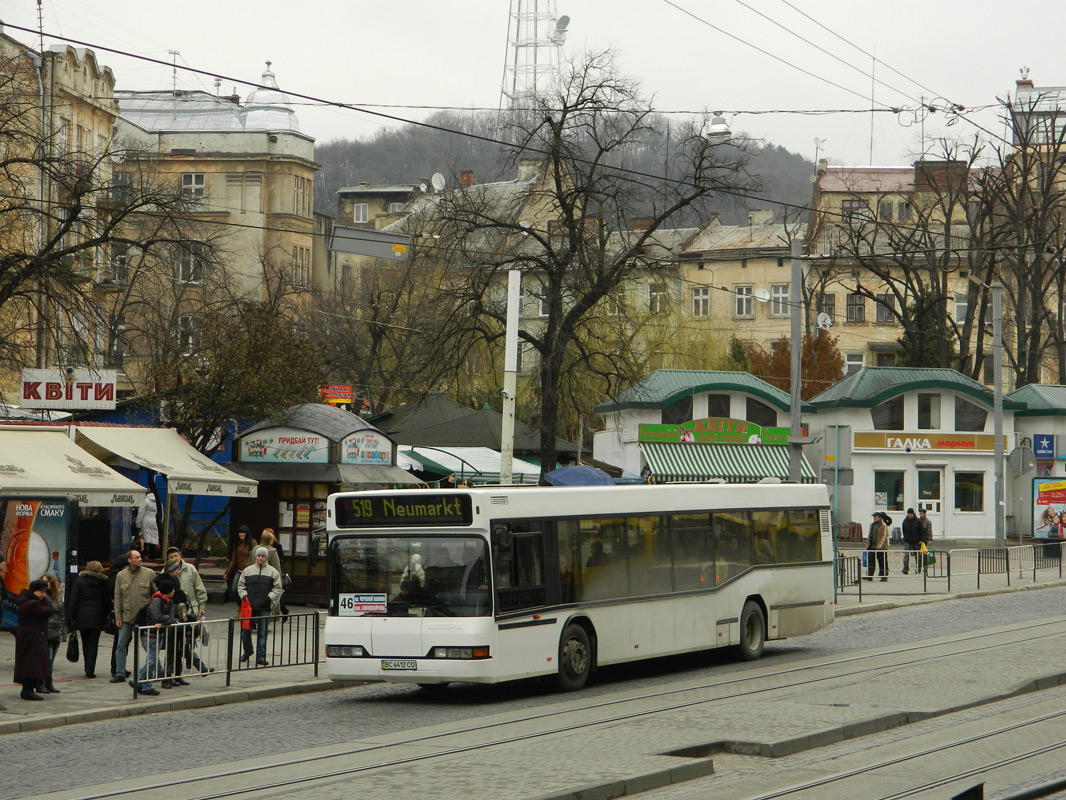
[(261, 584)]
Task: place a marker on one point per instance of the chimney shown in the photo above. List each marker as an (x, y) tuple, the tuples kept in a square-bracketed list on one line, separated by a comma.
[(1024, 83), (529, 169), (466, 178), (761, 216)]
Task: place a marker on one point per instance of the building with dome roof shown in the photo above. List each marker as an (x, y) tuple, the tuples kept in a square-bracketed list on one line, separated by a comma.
[(246, 170)]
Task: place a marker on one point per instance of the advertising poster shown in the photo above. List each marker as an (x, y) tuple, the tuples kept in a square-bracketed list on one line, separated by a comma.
[(1049, 508), (35, 539), (713, 430)]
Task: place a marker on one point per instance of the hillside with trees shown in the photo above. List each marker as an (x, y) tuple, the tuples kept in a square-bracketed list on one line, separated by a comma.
[(450, 142)]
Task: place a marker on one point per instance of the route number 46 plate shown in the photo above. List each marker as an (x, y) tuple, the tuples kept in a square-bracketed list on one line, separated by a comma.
[(398, 664)]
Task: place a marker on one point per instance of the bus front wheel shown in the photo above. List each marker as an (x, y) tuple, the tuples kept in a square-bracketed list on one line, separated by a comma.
[(752, 631), (575, 658)]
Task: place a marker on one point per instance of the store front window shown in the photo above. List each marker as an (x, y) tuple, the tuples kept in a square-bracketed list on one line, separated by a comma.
[(970, 491), (888, 490)]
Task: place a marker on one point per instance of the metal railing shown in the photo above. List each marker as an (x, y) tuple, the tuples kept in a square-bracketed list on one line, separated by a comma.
[(1014, 564), (223, 647)]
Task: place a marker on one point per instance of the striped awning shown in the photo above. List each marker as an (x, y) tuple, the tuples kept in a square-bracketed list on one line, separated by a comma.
[(733, 463)]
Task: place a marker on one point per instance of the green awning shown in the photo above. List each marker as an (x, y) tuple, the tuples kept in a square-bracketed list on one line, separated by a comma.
[(733, 463)]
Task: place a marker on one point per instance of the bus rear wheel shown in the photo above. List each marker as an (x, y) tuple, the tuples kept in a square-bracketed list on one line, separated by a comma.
[(575, 658), (752, 631)]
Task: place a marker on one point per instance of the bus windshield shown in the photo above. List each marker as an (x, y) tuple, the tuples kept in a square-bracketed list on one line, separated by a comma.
[(413, 575)]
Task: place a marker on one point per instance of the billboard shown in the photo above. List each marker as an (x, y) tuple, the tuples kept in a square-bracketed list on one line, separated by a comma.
[(1049, 508), (37, 537)]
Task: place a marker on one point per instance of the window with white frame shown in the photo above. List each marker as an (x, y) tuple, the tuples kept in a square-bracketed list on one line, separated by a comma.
[(853, 209), (656, 296), (856, 307), (744, 305), (360, 212), (120, 253), (301, 266), (928, 411), (701, 301), (779, 305), (852, 363), (886, 306), (191, 263), (827, 305), (193, 185), (903, 211), (188, 334), (541, 301), (395, 208), (962, 306), (884, 210), (612, 303)]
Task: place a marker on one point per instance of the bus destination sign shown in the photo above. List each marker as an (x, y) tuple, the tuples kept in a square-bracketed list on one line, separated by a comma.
[(403, 509)]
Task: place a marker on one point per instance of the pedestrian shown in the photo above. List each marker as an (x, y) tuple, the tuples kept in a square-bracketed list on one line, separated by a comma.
[(240, 556), (57, 629), (877, 546), (34, 607), (268, 540), (133, 589), (117, 566), (927, 527), (261, 584), (150, 525), (912, 542), (87, 610), (192, 594), (160, 616)]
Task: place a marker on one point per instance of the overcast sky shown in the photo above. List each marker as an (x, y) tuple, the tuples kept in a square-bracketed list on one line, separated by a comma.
[(418, 54)]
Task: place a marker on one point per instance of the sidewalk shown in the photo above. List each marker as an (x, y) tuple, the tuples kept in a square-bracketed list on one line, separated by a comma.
[(84, 700)]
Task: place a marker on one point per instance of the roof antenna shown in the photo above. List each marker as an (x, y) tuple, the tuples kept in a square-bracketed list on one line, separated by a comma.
[(175, 53), (40, 26)]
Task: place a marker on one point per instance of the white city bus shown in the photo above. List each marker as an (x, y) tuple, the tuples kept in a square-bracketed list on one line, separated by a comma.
[(498, 583)]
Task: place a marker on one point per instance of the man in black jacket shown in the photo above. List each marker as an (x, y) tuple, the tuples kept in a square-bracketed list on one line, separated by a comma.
[(912, 541), (261, 584)]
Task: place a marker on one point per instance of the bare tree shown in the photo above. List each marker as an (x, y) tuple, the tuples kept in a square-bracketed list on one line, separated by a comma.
[(69, 223), (569, 229)]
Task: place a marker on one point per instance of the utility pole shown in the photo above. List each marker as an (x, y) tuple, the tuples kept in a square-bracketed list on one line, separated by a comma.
[(796, 440), (510, 374), (997, 413)]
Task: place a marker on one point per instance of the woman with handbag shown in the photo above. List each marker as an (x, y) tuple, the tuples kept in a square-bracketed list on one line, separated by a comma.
[(240, 556), (87, 611), (57, 629)]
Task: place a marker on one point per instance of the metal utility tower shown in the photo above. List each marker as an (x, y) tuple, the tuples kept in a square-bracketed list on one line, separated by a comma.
[(535, 37)]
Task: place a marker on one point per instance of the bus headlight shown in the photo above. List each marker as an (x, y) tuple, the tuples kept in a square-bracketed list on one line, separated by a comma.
[(344, 651), (459, 652)]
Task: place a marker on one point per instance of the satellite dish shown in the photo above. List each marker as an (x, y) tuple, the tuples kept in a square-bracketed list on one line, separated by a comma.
[(422, 187), (438, 181), (825, 321), (762, 295), (562, 22)]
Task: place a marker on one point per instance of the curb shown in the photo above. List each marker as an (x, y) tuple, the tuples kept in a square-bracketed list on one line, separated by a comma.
[(886, 605), (210, 700)]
